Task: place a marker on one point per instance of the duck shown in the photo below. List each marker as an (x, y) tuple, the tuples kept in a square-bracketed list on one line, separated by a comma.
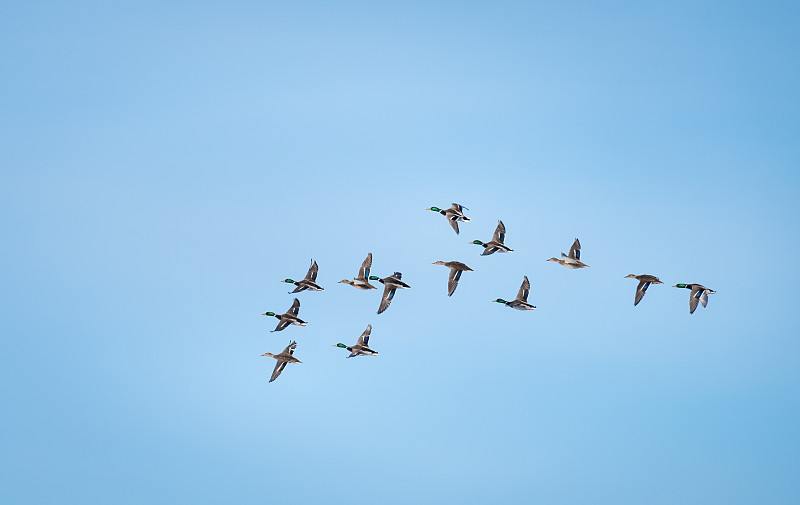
[(283, 358), (290, 317), (521, 301), (496, 244), (454, 214), (362, 281), (390, 285), (698, 293), (644, 283), (309, 282), (456, 267), (361, 348), (573, 259)]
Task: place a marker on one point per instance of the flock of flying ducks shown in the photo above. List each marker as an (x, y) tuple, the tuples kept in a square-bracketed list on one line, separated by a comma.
[(698, 294)]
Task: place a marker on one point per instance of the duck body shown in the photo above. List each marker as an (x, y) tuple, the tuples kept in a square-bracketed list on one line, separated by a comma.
[(309, 282), (644, 282), (358, 284), (698, 294), (290, 317), (573, 259), (519, 305), (456, 267), (361, 347), (521, 301), (454, 214), (362, 281), (390, 285), (304, 285), (287, 356), (497, 244)]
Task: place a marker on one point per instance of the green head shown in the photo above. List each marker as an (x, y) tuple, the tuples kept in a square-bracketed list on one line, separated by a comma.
[(290, 281), (435, 209), (679, 286), (500, 300), (476, 242), (268, 314), (374, 278), (341, 345)]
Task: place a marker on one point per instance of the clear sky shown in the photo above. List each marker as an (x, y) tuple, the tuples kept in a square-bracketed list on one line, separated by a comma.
[(164, 165)]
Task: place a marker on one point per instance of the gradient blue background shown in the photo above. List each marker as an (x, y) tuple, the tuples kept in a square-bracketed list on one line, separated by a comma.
[(166, 164)]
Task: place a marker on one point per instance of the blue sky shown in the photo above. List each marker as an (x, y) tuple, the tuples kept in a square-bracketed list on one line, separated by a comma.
[(166, 165)]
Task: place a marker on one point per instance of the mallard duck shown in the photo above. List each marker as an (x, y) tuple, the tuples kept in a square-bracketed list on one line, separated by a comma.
[(573, 259), (454, 214), (362, 281), (699, 293), (521, 301), (290, 317), (360, 349), (496, 244), (390, 285), (283, 358), (644, 283), (456, 267), (308, 282)]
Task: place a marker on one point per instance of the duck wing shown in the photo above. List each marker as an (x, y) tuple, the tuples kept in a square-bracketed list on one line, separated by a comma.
[(499, 233), (640, 290), (458, 208), (363, 340), (453, 220), (312, 271), (452, 281), (282, 324), (575, 250), (524, 290), (279, 366), (295, 308), (703, 297), (694, 297), (386, 299), (363, 272), (290, 348)]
